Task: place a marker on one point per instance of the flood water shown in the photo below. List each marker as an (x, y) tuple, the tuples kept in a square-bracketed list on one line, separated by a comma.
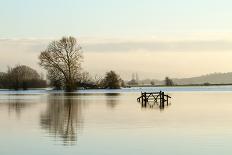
[(111, 122)]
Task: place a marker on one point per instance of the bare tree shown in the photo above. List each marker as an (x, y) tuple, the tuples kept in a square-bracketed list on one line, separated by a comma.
[(152, 82), (63, 59), (168, 81)]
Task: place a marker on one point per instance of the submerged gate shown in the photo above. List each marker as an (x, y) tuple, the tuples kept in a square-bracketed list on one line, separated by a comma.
[(156, 97)]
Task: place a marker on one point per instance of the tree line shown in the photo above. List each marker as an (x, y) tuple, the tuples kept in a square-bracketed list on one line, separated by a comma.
[(62, 60), (111, 80), (22, 77)]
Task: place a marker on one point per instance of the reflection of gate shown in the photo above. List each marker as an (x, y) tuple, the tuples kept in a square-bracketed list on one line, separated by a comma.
[(156, 97)]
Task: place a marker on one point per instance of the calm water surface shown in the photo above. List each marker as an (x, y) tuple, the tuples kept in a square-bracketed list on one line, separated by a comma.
[(104, 122)]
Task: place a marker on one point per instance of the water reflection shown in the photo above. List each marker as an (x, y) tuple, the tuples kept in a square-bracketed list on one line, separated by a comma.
[(155, 105), (16, 103), (16, 107), (63, 117), (112, 99)]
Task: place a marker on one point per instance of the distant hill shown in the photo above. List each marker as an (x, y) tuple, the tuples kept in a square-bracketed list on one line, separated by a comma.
[(214, 78)]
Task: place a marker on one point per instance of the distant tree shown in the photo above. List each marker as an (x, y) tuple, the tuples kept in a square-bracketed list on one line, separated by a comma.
[(206, 84), (86, 81), (152, 82), (98, 80), (168, 81), (23, 77), (122, 83), (85, 78), (111, 80), (3, 80), (62, 59), (133, 82)]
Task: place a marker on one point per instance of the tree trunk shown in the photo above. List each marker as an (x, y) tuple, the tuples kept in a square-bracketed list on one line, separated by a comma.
[(70, 86)]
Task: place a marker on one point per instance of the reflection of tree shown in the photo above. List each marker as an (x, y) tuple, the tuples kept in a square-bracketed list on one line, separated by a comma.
[(17, 103), (112, 99), (62, 117), (17, 107)]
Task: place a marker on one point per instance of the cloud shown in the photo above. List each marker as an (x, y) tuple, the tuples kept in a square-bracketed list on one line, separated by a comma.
[(22, 45), (159, 46), (122, 45)]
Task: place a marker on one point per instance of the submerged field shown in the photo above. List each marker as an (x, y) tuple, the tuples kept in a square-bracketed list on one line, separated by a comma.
[(97, 122)]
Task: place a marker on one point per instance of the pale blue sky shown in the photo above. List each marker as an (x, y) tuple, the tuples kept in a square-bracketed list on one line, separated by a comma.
[(114, 18)]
